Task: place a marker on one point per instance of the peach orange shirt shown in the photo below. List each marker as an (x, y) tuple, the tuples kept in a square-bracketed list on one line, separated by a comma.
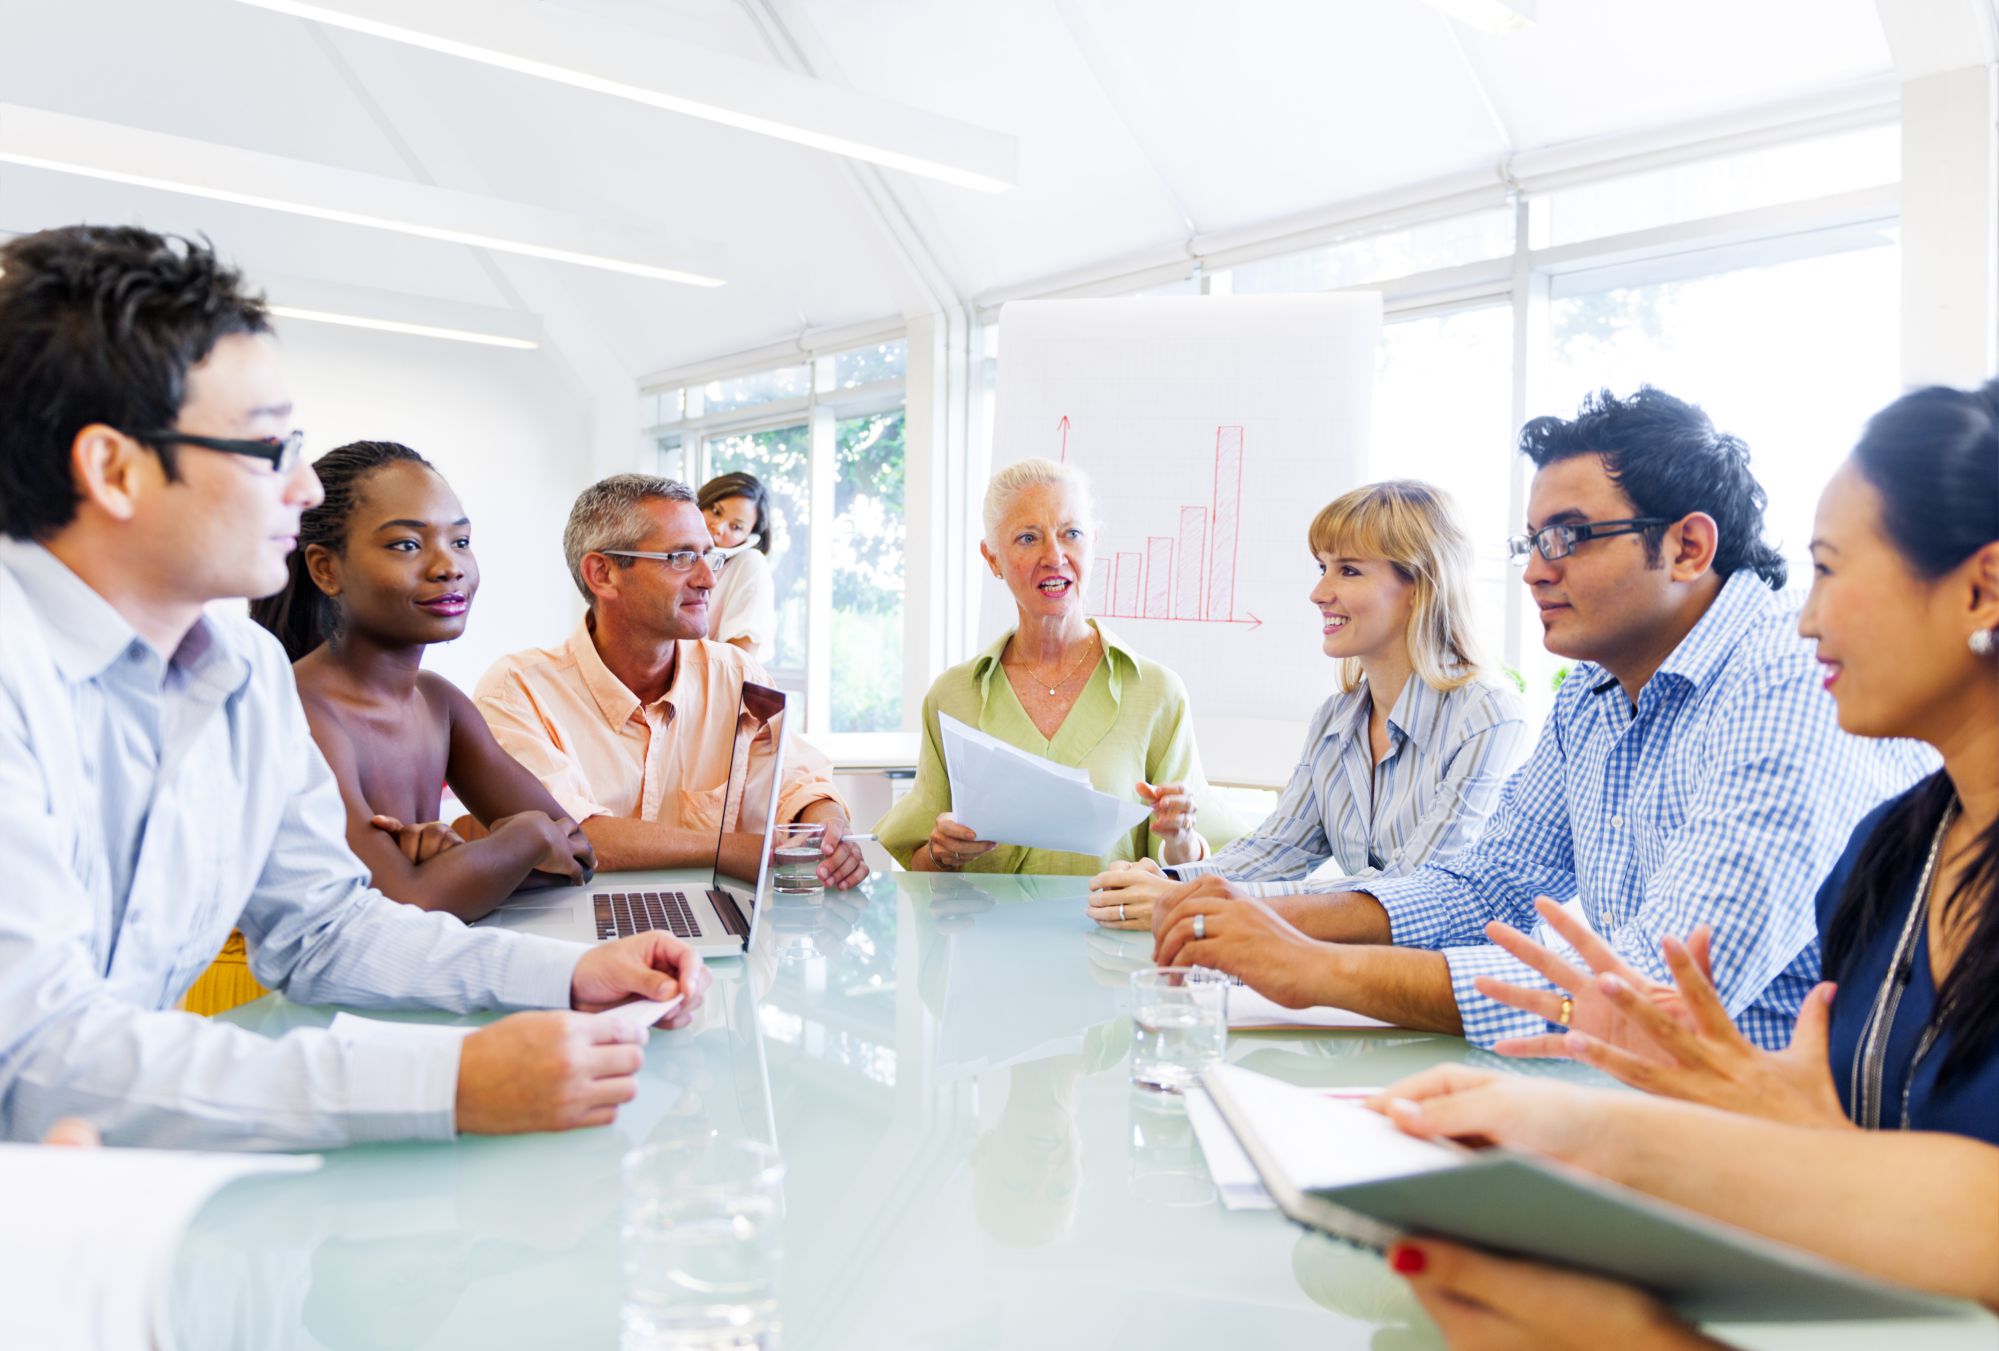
[(600, 752)]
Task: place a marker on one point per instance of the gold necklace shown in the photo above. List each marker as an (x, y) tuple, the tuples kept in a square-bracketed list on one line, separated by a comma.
[(1088, 652)]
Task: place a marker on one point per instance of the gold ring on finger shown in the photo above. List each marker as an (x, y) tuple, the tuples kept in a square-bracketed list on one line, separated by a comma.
[(1568, 1010)]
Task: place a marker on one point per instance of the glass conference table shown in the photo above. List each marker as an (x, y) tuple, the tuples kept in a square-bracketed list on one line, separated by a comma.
[(943, 1062)]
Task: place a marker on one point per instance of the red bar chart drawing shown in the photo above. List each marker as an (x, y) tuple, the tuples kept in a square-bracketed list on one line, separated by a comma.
[(1128, 581), (1190, 576), (1159, 577)]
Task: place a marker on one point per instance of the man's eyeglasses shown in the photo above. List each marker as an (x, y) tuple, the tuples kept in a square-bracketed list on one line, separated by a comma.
[(680, 560), (1559, 541), (282, 453)]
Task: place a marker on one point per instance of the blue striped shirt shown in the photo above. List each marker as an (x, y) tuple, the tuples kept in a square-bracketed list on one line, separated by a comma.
[(150, 807), (1448, 753), (1723, 798)]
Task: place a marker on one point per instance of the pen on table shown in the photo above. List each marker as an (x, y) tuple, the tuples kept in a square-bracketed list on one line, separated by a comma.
[(869, 835)]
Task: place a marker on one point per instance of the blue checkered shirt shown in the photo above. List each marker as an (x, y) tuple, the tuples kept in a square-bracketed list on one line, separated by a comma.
[(1724, 797)]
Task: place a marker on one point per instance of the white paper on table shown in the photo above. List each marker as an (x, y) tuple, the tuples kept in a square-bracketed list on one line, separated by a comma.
[(1012, 796), (352, 1029), (1250, 1012), (1234, 1175), (88, 1244)]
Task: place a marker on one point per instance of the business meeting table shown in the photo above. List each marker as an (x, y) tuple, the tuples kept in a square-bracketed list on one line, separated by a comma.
[(943, 1062)]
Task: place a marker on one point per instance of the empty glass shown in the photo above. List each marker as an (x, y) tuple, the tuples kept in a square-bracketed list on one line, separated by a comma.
[(1180, 1025), (702, 1241)]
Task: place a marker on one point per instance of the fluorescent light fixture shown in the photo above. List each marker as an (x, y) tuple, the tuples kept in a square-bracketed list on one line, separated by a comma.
[(531, 38), (115, 153), (395, 326), (1489, 16)]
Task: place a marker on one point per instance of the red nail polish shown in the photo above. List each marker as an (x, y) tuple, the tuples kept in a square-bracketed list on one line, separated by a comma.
[(1406, 1259)]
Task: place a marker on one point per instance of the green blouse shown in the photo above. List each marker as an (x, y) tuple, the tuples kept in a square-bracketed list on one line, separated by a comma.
[(1131, 722)]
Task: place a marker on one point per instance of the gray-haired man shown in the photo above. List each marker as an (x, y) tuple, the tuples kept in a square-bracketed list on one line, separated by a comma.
[(631, 722)]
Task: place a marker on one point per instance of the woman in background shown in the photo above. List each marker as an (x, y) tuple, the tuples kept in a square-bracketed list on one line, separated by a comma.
[(1060, 685), (744, 602), (384, 568), (1402, 765)]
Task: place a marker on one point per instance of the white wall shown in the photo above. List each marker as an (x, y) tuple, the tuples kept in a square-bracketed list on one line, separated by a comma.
[(505, 427)]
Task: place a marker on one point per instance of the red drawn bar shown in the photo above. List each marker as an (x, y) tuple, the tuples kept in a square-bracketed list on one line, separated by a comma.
[(1228, 523), (1100, 602), (1130, 581), (1193, 560), (1158, 576)]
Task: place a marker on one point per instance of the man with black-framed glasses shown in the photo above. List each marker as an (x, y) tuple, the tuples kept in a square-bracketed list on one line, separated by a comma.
[(161, 786), (1691, 774), (631, 723)]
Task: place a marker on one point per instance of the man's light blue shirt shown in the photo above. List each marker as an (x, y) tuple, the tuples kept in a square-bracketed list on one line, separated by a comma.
[(150, 807), (1723, 798)]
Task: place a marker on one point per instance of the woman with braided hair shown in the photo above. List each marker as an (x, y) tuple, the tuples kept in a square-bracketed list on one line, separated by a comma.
[(384, 568)]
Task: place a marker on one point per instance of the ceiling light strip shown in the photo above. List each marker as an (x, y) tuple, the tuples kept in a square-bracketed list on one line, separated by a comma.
[(397, 326)]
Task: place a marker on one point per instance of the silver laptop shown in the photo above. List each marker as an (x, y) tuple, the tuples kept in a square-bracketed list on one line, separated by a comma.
[(714, 910)]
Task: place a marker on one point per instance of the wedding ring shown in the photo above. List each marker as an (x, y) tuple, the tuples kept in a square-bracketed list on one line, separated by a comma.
[(1120, 912), (1568, 1011), (1200, 926)]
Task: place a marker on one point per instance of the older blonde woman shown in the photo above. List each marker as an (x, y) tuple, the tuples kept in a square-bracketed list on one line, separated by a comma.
[(1060, 685), (1404, 763)]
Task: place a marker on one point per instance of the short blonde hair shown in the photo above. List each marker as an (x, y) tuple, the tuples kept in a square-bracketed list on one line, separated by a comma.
[(1010, 482), (1414, 527)]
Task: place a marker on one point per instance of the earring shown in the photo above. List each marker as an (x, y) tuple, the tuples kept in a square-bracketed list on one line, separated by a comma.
[(1983, 644)]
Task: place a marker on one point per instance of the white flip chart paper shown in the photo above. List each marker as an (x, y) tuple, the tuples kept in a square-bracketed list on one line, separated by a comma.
[(1012, 796)]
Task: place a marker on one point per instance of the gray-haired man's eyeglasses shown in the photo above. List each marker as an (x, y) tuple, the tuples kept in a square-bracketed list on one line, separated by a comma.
[(680, 560)]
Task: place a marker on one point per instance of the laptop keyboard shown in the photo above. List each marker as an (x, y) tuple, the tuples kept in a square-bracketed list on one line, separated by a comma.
[(620, 914)]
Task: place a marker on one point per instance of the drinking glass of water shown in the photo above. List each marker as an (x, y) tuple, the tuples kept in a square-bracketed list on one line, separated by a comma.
[(702, 1241), (797, 850), (1180, 1025)]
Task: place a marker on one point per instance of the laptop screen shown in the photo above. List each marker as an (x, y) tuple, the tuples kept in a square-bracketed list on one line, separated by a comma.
[(755, 772)]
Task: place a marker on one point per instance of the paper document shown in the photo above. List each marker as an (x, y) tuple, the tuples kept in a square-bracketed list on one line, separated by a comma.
[(1251, 1012), (1012, 796), (1234, 1175), (87, 1249), (352, 1029), (1319, 1141)]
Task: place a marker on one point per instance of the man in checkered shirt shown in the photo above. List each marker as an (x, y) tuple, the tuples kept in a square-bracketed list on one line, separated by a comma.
[(1691, 773)]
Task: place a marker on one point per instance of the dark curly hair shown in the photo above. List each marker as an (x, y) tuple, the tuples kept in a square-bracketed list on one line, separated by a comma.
[(1666, 456), (100, 324), (301, 615)]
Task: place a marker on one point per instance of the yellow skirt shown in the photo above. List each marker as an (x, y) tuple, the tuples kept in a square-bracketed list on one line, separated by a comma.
[(226, 983)]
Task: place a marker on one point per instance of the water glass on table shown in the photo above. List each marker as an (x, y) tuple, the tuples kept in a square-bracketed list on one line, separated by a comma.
[(702, 1242), (797, 849), (1180, 1025)]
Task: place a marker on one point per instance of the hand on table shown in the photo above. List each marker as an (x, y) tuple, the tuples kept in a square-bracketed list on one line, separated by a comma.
[(1126, 895), (1172, 823), (1242, 936), (841, 865), (953, 845), (565, 851), (421, 842), (1484, 1303), (651, 965), (1695, 1051), (547, 1071), (73, 1132)]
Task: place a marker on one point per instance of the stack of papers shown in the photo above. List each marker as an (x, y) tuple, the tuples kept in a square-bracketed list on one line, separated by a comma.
[(1011, 796), (1234, 1175), (352, 1029), (88, 1245)]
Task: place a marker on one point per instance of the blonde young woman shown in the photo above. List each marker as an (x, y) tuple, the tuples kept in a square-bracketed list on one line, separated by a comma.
[(1403, 764), (1060, 685)]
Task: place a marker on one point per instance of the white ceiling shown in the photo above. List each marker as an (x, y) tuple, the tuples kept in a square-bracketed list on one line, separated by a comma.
[(1140, 122)]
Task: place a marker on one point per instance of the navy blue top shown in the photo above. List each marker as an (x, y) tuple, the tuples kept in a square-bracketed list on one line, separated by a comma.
[(1969, 1103)]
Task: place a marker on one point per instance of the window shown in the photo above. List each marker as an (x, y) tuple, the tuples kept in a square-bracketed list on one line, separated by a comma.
[(1382, 256), (826, 438), (780, 457), (868, 560), (1443, 412)]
